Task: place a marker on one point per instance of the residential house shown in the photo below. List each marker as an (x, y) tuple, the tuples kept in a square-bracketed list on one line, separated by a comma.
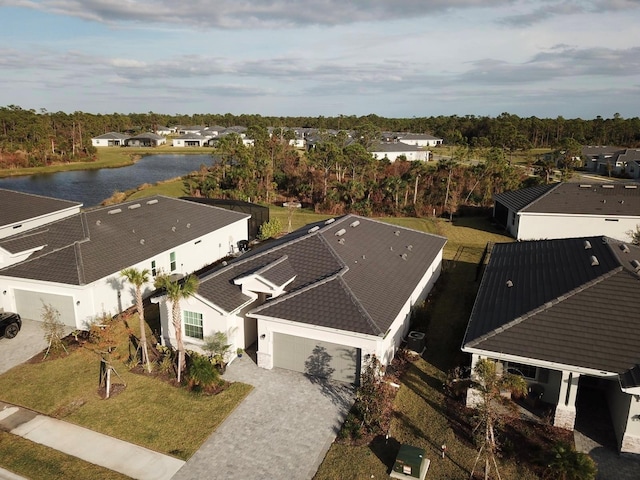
[(394, 150), (562, 210), (161, 130), (191, 140), (598, 158), (419, 139), (563, 313), (320, 300), (74, 263), (21, 212), (111, 139), (145, 140)]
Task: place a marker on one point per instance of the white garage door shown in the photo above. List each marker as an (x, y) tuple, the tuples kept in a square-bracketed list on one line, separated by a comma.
[(29, 305), (316, 358)]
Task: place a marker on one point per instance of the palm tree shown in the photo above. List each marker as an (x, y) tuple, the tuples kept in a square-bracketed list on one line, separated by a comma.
[(176, 291), (489, 384), (138, 278)]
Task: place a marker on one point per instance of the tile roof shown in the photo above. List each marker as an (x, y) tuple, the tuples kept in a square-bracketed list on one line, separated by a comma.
[(368, 268), (549, 300), (16, 207), (615, 199), (94, 244)]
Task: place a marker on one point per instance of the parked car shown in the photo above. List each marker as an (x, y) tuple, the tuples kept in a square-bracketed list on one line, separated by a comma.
[(10, 324)]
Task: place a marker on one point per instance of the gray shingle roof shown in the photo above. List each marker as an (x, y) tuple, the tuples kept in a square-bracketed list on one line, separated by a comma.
[(18, 207), (97, 243), (111, 136), (615, 199), (516, 200), (353, 274), (560, 308)]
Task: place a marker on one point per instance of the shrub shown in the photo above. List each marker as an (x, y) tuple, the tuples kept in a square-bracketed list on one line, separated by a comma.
[(201, 372), (568, 464), (270, 229)]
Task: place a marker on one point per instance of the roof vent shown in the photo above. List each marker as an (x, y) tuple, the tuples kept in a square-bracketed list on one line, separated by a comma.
[(188, 225), (224, 263), (587, 245), (607, 185), (363, 257), (341, 241), (354, 224), (604, 201), (404, 256), (585, 186), (98, 222), (142, 241), (173, 229), (152, 202), (330, 220), (630, 186), (397, 233), (114, 211), (340, 232), (134, 206), (594, 261), (624, 247), (313, 229), (409, 247), (509, 284), (636, 264)]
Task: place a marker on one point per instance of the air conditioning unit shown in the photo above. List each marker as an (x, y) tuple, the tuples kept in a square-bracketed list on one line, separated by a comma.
[(416, 341)]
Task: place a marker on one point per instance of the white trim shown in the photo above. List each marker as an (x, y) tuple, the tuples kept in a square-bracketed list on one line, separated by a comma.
[(539, 363)]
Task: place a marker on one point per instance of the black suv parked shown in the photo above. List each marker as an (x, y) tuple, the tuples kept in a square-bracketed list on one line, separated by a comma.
[(10, 324)]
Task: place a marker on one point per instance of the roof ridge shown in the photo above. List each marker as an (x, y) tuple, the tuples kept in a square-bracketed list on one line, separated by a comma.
[(359, 306), (531, 203), (79, 263), (270, 265), (545, 306)]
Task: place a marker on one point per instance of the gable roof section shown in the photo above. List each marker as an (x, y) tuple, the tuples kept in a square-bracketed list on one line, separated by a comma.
[(614, 199), (108, 239), (516, 200), (19, 207), (361, 264), (111, 136), (560, 308)]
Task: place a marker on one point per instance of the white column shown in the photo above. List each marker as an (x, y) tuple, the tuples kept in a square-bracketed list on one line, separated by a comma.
[(565, 416)]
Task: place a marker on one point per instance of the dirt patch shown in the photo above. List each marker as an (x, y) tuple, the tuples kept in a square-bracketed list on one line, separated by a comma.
[(70, 345), (115, 390)]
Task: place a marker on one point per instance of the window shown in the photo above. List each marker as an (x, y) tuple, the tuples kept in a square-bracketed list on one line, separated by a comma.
[(154, 270), (527, 371), (193, 324), (172, 259)]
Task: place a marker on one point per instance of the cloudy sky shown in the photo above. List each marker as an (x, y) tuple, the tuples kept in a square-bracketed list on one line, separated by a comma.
[(393, 58)]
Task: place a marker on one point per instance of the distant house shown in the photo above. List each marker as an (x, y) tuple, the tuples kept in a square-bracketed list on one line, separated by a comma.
[(563, 210), (190, 140), (182, 130), (419, 139), (160, 130), (598, 158), (74, 263), (111, 139), (394, 150), (564, 314), (320, 300), (145, 140), (21, 212)]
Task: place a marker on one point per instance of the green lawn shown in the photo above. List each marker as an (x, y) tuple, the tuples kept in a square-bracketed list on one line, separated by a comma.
[(148, 412)]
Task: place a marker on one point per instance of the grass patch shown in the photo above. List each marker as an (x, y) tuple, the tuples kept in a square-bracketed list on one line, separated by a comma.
[(38, 462), (148, 412)]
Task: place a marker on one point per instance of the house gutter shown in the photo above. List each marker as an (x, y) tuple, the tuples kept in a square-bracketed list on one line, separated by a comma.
[(539, 363)]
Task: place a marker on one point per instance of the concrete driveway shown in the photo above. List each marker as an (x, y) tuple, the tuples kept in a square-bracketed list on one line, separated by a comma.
[(28, 342), (281, 431)]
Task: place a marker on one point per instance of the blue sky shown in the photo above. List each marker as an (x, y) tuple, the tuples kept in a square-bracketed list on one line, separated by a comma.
[(395, 58)]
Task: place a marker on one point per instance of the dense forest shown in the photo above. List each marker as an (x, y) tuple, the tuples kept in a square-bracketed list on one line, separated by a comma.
[(337, 175)]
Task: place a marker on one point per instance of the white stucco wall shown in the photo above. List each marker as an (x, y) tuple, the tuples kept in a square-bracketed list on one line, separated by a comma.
[(546, 226)]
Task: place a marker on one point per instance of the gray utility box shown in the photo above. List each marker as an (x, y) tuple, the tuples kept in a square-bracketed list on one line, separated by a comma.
[(410, 464)]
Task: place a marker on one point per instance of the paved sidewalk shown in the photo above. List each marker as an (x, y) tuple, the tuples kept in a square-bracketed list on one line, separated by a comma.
[(126, 458), (281, 431)]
